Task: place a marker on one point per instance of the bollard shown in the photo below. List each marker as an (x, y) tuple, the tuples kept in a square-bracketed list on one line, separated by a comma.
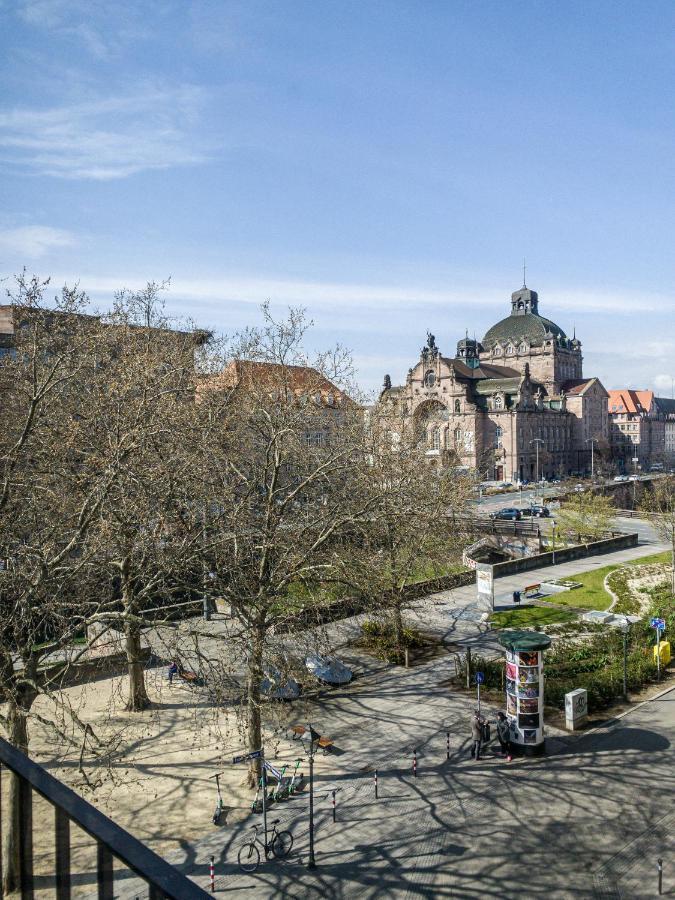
[(212, 874), (334, 806), (376, 784), (659, 867), (414, 763), (447, 745)]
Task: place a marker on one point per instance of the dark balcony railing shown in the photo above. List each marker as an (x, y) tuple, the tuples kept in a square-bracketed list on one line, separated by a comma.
[(163, 881)]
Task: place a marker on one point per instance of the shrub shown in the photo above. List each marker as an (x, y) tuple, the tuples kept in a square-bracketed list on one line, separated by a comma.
[(379, 638)]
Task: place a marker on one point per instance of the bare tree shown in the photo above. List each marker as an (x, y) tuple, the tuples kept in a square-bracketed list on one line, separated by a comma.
[(416, 527), (658, 504), (148, 526), (278, 479), (53, 482), (587, 514)]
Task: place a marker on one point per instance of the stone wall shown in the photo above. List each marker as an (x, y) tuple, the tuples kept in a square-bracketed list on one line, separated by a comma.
[(566, 554)]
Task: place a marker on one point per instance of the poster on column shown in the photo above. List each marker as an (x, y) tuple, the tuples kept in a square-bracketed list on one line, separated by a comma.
[(511, 671), (528, 658)]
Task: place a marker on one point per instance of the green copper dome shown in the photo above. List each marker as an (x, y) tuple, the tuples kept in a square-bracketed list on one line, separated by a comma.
[(524, 323), (530, 327)]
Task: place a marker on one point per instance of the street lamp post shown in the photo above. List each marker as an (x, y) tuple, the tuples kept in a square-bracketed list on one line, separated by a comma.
[(625, 629), (592, 441), (536, 442), (313, 737)]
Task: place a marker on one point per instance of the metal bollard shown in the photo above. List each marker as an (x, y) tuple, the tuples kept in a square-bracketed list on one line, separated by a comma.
[(659, 867), (447, 745), (334, 806), (212, 874), (414, 763), (376, 784)]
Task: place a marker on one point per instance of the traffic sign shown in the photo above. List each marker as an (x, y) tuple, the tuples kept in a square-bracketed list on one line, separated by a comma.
[(658, 623), (246, 756), (480, 677)]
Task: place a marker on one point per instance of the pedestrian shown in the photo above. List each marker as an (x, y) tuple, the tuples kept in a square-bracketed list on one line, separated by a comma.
[(476, 734), (516, 596), (504, 735), (173, 670)]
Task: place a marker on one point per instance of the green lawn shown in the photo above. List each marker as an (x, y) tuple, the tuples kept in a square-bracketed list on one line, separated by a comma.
[(530, 616), (593, 595)]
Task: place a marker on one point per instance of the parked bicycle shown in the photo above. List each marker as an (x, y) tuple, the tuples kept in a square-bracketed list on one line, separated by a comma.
[(279, 845)]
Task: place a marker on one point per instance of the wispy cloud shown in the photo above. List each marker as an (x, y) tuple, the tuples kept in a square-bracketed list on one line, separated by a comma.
[(113, 137), (99, 26), (34, 241), (215, 290)]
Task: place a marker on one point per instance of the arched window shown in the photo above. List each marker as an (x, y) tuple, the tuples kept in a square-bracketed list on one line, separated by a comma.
[(458, 406), (499, 434), (498, 403), (436, 439), (429, 379), (458, 435)]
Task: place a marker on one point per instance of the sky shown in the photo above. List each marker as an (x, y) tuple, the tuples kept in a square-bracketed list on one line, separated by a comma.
[(385, 164)]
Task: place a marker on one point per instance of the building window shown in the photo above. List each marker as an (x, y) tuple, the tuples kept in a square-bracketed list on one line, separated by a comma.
[(458, 406), (499, 434), (436, 439), (498, 402), (458, 436), (315, 438), (429, 379)]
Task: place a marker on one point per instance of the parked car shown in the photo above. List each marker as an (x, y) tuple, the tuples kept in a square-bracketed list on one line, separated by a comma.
[(508, 512), (540, 512), (621, 478), (579, 488)]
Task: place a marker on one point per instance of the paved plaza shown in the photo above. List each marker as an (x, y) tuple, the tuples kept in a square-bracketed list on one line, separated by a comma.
[(589, 819)]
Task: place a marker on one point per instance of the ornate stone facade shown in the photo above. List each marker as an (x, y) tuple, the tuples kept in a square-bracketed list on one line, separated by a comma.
[(511, 407)]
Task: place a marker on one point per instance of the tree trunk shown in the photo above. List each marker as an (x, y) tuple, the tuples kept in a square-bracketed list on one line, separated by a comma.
[(17, 735), (397, 619), (138, 698), (253, 717)]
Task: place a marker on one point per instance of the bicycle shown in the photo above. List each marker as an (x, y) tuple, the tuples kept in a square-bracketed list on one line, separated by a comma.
[(279, 845)]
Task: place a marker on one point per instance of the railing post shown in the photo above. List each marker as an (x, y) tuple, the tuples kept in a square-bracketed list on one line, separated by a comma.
[(62, 852), (104, 872), (25, 837)]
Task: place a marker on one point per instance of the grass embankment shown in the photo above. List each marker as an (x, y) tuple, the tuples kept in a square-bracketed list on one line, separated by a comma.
[(531, 617), (592, 594)]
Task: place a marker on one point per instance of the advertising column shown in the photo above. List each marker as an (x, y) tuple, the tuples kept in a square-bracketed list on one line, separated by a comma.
[(524, 683)]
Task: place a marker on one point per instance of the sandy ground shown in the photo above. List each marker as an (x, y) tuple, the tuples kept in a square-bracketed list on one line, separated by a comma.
[(156, 779)]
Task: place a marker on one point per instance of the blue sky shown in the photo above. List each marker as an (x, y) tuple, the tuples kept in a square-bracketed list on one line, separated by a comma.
[(385, 164)]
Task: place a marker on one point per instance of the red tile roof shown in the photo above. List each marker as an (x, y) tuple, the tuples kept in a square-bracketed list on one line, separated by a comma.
[(630, 401)]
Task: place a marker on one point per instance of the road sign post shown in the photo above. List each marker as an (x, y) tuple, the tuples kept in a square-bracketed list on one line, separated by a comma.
[(660, 626), (480, 678)]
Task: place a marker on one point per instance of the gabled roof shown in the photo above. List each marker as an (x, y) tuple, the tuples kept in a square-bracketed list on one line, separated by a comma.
[(301, 381), (577, 387), (627, 400)]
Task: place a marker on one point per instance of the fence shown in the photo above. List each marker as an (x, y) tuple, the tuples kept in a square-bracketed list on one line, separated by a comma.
[(163, 881)]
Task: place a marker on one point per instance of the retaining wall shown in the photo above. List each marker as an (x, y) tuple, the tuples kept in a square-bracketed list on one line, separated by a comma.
[(566, 554)]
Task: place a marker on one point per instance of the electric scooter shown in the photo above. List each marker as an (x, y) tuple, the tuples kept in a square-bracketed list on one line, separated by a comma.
[(220, 805)]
